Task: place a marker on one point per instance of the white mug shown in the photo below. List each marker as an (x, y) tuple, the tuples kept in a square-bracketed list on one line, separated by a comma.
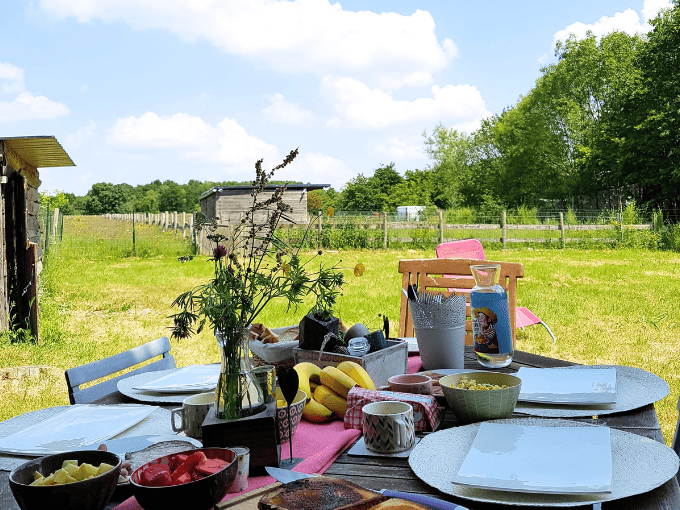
[(388, 426), (192, 413)]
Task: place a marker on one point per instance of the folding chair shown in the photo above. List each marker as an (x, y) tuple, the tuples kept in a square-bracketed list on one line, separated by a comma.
[(473, 249), (101, 368)]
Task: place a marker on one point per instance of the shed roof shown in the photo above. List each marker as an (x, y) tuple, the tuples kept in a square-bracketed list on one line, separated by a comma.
[(269, 187), (39, 151)]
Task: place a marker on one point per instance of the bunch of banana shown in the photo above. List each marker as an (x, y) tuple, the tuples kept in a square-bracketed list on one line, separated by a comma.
[(328, 388)]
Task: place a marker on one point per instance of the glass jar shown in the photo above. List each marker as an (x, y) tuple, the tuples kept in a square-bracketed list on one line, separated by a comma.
[(490, 318)]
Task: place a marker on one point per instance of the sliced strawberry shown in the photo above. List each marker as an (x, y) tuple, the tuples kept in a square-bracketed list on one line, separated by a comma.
[(185, 478), (178, 459), (160, 479), (153, 471), (182, 469), (210, 466)]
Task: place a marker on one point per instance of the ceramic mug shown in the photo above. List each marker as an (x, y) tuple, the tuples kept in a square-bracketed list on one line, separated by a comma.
[(192, 413), (388, 426)]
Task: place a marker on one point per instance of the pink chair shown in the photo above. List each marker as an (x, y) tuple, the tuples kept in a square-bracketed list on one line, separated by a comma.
[(473, 249)]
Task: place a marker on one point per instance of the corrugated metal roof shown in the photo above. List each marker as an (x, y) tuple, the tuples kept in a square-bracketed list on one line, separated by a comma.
[(268, 187), (39, 151)]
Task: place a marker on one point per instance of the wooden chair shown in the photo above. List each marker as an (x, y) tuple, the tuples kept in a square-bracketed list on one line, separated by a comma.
[(473, 249), (441, 274), (97, 369), (676, 439)]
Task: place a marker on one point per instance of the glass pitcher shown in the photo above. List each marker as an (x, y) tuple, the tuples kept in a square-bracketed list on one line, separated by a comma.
[(490, 318)]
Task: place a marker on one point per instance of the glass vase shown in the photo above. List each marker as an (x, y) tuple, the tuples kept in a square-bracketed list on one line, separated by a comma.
[(237, 395), (490, 318)]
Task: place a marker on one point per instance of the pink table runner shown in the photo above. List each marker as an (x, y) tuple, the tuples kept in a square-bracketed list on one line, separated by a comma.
[(318, 443)]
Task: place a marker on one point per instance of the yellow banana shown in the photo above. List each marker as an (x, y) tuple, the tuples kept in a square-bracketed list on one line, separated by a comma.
[(313, 386), (328, 398), (307, 372), (358, 373), (336, 380), (318, 413)]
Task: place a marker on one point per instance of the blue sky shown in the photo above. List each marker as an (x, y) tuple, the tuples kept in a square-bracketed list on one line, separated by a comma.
[(139, 90)]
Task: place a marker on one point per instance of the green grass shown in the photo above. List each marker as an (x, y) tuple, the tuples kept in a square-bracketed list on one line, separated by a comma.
[(604, 306)]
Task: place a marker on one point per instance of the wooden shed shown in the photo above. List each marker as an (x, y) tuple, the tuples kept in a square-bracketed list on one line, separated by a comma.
[(227, 203), (20, 252)]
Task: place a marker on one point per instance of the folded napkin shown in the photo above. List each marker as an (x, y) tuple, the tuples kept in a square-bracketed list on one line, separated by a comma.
[(318, 443)]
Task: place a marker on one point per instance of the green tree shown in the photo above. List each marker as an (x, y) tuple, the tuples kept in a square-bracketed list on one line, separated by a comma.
[(106, 198), (449, 150)]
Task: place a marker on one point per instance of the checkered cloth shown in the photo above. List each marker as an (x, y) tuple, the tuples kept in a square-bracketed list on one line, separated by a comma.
[(427, 414)]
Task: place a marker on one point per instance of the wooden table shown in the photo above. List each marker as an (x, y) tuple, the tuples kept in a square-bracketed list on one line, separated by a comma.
[(390, 473)]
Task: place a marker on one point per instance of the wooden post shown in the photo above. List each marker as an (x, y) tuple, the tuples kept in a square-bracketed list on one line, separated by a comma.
[(32, 292), (166, 220), (320, 226), (55, 222), (504, 230), (564, 237), (441, 226), (384, 217), (174, 222)]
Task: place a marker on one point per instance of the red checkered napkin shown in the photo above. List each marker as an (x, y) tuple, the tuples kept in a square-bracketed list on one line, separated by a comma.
[(427, 415)]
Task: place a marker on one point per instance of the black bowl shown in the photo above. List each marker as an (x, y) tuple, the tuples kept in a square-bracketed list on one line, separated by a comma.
[(200, 494), (90, 494)]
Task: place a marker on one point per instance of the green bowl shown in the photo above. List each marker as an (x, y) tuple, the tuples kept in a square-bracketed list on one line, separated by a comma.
[(478, 405)]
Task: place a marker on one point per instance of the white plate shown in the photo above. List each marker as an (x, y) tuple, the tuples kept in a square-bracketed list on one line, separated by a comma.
[(639, 464), (527, 458), (125, 386), (412, 343), (575, 386), (74, 428), (189, 379), (273, 353)]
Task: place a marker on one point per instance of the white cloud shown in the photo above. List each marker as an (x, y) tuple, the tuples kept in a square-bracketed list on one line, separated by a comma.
[(358, 106), (189, 136), (75, 140), (11, 78), (284, 112), (83, 88), (627, 21), (27, 106), (316, 168), (402, 147), (543, 59), (291, 36)]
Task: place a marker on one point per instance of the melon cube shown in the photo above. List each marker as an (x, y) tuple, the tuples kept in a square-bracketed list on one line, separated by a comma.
[(85, 471), (103, 468)]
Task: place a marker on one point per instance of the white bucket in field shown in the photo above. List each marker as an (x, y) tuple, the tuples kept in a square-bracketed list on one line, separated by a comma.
[(441, 347)]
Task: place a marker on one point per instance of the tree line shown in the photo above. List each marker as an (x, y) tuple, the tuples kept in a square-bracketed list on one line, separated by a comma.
[(599, 130)]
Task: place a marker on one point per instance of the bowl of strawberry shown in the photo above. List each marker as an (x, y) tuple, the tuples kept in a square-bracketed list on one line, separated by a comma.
[(196, 479)]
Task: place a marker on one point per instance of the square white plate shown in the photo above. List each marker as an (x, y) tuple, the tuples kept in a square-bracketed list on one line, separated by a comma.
[(74, 428), (557, 460), (190, 379), (573, 386)]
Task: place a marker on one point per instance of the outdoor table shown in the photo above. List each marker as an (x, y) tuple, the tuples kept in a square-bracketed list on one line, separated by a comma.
[(394, 473)]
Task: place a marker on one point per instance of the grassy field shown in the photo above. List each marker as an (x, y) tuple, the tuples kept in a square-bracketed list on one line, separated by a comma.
[(604, 306)]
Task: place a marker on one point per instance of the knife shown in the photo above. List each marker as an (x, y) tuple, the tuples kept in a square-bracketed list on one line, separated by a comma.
[(286, 476)]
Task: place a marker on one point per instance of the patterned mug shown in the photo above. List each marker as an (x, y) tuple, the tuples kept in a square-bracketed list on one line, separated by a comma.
[(388, 426)]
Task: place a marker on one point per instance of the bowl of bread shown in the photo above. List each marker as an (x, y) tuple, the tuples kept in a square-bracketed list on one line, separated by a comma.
[(78, 480), (478, 396), (274, 345)]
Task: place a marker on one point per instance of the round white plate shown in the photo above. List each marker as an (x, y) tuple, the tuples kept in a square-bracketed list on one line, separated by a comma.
[(639, 465), (635, 388), (126, 387)]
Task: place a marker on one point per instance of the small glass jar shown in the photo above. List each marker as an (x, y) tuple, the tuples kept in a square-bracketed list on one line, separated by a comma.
[(358, 346), (490, 314)]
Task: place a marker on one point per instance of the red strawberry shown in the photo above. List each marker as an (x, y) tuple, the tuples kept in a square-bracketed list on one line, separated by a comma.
[(185, 478), (194, 459), (182, 469), (178, 459), (153, 471), (161, 479), (210, 466)]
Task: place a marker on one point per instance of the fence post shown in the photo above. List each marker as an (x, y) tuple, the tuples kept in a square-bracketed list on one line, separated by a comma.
[(504, 230), (174, 222), (55, 221), (134, 235), (184, 225), (441, 226), (384, 215), (166, 216), (320, 227), (564, 236)]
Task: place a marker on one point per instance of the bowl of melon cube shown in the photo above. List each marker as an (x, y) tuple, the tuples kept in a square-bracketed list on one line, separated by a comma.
[(194, 479), (78, 480)]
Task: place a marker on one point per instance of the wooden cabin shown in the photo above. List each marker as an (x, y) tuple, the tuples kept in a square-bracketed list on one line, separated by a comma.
[(20, 251)]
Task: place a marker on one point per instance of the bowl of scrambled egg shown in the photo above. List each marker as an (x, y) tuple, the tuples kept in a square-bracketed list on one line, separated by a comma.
[(479, 396)]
